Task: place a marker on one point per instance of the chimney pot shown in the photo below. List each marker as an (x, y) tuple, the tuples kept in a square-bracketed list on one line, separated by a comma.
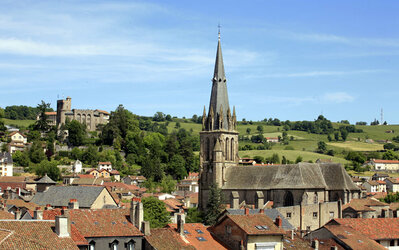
[(261, 211), (145, 228), (180, 223), (246, 211)]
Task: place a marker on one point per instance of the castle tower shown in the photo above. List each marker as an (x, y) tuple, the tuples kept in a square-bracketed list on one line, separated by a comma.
[(219, 136), (63, 106)]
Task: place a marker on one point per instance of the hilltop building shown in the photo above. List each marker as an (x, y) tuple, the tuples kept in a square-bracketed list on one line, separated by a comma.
[(293, 185), (91, 118)]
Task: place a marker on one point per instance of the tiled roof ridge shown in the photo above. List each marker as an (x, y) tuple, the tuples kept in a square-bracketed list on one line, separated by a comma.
[(5, 238)]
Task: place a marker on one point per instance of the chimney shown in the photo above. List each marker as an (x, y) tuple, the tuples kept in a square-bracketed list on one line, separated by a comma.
[(38, 214), (292, 234), (261, 211), (315, 244), (136, 212), (278, 221), (62, 226), (73, 204), (18, 191), (48, 207), (246, 210), (180, 223), (334, 248), (145, 228), (17, 214)]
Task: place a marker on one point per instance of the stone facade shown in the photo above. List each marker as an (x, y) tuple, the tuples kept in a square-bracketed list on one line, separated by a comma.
[(91, 118), (292, 185)]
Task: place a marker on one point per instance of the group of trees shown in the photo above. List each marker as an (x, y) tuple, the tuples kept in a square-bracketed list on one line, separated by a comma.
[(22, 112)]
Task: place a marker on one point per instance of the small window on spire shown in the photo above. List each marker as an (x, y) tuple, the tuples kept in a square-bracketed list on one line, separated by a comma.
[(220, 79)]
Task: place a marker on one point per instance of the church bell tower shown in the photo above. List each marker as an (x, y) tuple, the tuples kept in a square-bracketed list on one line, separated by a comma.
[(219, 136)]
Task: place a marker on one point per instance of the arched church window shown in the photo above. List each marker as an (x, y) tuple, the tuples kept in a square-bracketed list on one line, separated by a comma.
[(226, 151), (288, 199), (209, 149), (232, 149)]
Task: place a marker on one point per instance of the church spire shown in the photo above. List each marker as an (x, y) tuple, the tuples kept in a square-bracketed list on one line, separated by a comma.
[(219, 97)]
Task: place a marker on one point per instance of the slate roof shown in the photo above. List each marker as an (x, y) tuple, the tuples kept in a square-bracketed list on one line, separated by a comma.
[(5, 157), (59, 196), (88, 181), (271, 213), (329, 176), (17, 234), (45, 180)]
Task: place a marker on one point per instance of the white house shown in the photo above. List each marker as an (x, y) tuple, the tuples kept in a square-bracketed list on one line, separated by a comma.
[(77, 167), (384, 164), (6, 164), (105, 165), (392, 184), (190, 183), (18, 137), (371, 186)]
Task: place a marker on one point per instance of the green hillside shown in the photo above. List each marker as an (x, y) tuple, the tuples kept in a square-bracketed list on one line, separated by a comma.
[(19, 123)]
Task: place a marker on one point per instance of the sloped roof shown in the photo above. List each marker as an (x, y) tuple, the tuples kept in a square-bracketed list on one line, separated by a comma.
[(88, 181), (249, 222), (352, 238), (5, 157), (363, 204), (32, 234), (103, 222), (330, 176), (45, 180), (164, 238), (60, 195), (374, 228), (271, 213)]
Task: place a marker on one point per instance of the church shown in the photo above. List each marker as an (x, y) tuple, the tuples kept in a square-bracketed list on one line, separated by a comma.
[(285, 185)]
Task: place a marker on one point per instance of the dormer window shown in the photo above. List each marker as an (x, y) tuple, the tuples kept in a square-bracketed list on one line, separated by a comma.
[(114, 245)]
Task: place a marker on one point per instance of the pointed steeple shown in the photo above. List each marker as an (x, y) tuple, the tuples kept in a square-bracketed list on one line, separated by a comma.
[(219, 97)]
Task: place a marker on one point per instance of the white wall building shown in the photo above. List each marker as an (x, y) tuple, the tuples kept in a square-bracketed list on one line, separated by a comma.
[(105, 165), (77, 167), (384, 164), (6, 164)]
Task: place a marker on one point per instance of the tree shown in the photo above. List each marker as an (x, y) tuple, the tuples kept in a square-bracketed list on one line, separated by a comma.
[(356, 157), (155, 212), (260, 129), (21, 158), (298, 159), (321, 147), (329, 138), (336, 135), (215, 205), (76, 133), (168, 184), (193, 216), (176, 167), (389, 146), (344, 134), (90, 156), (50, 168), (284, 160), (36, 153), (389, 155), (248, 131), (42, 123), (159, 117)]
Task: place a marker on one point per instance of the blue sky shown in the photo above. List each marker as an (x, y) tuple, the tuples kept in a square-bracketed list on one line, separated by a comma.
[(286, 59)]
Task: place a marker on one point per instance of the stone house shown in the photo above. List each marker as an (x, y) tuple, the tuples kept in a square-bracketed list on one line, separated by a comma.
[(189, 183), (379, 176), (392, 184), (249, 231), (371, 186), (365, 208), (380, 165), (134, 180), (105, 165)]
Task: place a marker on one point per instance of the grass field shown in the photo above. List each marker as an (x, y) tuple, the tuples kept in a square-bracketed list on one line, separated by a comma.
[(19, 123), (291, 155), (369, 173), (357, 146)]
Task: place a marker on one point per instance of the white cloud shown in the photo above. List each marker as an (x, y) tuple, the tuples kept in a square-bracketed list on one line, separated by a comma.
[(338, 97)]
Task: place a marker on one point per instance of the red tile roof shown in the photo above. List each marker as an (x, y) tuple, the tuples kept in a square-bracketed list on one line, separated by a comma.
[(164, 238), (51, 113), (32, 234), (194, 230), (363, 204), (248, 224), (103, 222), (120, 185), (394, 180), (386, 161), (4, 215), (173, 204), (374, 228), (90, 176), (105, 163), (353, 238), (16, 132)]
